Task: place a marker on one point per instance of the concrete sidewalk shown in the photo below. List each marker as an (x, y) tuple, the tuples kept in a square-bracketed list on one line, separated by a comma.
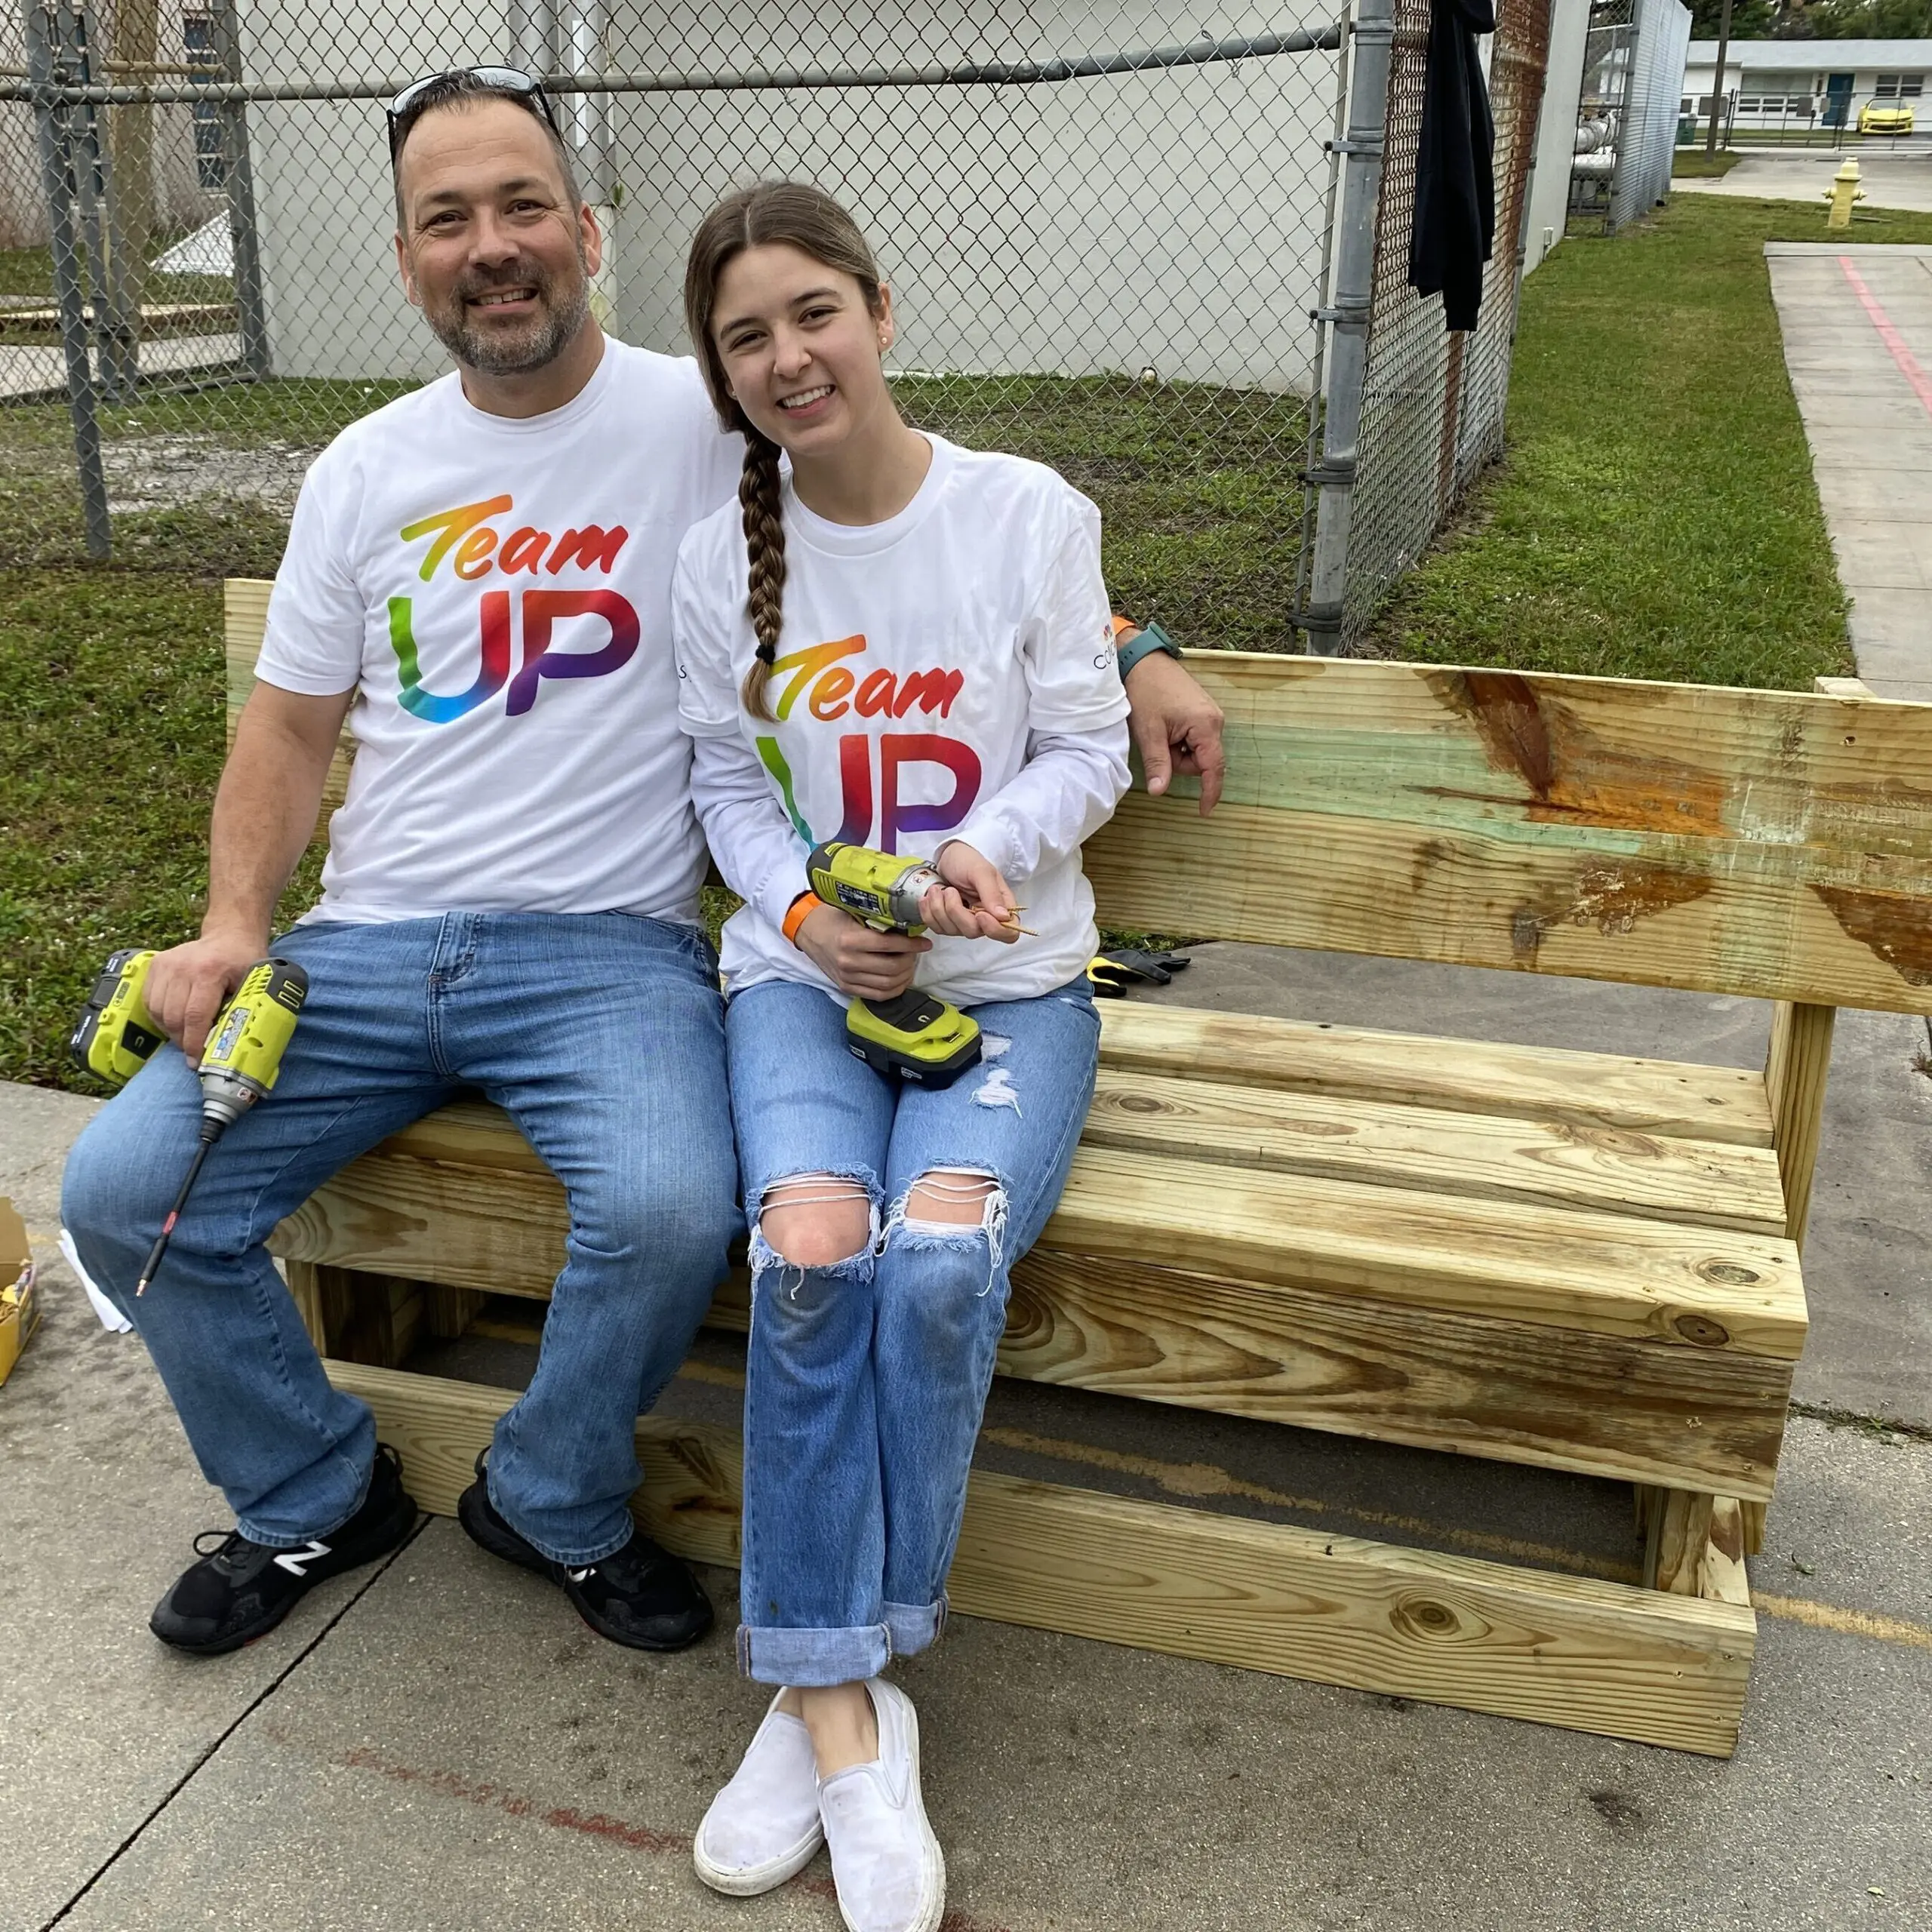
[(1857, 321), (1900, 180), (441, 1745)]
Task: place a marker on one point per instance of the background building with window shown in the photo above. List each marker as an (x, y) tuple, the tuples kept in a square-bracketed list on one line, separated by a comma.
[(1794, 86)]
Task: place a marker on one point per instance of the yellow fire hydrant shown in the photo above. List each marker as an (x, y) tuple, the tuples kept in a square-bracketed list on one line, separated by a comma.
[(1843, 191)]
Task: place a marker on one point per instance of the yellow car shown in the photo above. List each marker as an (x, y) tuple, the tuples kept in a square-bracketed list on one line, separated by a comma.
[(1885, 117)]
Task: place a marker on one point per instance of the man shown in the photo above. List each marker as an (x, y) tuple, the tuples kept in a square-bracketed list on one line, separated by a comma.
[(477, 580)]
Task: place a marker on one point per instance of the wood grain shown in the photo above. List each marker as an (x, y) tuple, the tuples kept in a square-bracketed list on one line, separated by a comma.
[(1721, 1572), (245, 623), (1557, 1084), (1554, 1398), (1610, 1274), (1796, 1072), (1484, 1156), (1777, 844), (1606, 1273), (1588, 1656)]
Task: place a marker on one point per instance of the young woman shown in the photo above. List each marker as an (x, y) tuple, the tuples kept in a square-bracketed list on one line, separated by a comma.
[(906, 645)]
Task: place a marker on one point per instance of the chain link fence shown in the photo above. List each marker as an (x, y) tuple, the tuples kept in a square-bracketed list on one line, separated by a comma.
[(1108, 227), (1431, 402), (1633, 88)]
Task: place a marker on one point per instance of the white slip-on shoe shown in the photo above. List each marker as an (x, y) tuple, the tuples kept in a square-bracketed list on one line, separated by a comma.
[(891, 1875), (764, 1826)]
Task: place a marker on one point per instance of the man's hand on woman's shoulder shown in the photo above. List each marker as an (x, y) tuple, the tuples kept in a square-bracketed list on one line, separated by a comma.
[(1177, 725)]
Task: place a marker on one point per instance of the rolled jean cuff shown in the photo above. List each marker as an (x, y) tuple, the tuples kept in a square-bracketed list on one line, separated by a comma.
[(914, 1627), (811, 1660)]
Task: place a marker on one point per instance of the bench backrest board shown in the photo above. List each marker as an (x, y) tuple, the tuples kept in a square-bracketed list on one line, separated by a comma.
[(1772, 843)]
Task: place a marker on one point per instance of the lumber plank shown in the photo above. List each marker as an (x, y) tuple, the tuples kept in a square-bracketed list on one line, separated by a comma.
[(1720, 1573), (305, 1289), (1680, 1527), (1795, 1071), (503, 1230), (245, 623), (1486, 1156), (1608, 1274), (1753, 1513), (1509, 1391), (448, 1312), (1586, 1655), (1608, 1090), (1777, 845)]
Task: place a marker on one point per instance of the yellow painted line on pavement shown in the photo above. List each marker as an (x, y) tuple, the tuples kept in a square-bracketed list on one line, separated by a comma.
[(1851, 1622)]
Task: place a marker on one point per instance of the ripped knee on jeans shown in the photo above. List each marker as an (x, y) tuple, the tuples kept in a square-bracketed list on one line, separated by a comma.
[(947, 1206), (816, 1220), (944, 1198)]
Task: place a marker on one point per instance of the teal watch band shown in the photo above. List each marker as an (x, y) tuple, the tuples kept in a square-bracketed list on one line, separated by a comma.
[(1151, 638)]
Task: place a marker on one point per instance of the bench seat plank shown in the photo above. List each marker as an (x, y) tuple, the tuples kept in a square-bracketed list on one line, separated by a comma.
[(1569, 1650), (1464, 1076), (478, 1227), (1545, 1163), (1556, 1398), (1611, 1274)]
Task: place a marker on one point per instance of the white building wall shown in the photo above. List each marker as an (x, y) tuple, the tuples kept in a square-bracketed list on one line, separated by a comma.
[(324, 204), (1170, 221), (1556, 130)]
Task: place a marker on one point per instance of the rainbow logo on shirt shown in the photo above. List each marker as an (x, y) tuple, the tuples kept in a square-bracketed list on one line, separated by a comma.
[(465, 539), (832, 692)]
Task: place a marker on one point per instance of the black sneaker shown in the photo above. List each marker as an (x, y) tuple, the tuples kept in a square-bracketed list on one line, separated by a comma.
[(241, 1590), (640, 1595)]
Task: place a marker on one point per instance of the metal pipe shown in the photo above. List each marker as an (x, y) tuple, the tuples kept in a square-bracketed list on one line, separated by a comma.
[(57, 180), (1348, 315), (116, 326), (1312, 443), (239, 177), (989, 73)]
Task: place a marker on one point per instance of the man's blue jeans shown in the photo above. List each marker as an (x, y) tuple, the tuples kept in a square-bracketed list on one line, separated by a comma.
[(866, 1379), (602, 1036)]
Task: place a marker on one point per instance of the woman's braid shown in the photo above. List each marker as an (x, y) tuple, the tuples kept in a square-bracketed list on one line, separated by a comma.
[(764, 546)]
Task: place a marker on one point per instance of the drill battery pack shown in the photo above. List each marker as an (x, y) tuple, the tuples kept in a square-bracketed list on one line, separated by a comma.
[(914, 1037), (117, 1035)]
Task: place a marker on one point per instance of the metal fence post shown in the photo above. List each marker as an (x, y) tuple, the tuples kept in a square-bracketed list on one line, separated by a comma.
[(57, 179), (116, 329), (250, 311), (1348, 314)]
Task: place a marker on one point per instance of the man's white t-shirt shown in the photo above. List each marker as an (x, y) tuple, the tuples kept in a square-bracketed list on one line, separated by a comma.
[(947, 674), (496, 591)]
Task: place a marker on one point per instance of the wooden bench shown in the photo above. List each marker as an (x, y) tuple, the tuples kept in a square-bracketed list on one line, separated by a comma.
[(1579, 1261)]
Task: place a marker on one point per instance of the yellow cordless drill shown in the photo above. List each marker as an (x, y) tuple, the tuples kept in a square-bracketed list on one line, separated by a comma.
[(117, 1036), (916, 1037)]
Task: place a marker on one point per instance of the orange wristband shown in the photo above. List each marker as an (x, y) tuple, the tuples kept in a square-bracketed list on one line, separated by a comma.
[(798, 913)]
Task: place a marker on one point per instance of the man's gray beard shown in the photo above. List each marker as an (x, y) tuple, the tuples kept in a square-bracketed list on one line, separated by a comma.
[(493, 356)]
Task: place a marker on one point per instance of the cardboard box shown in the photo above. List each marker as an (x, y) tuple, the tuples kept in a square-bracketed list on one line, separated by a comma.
[(19, 1308)]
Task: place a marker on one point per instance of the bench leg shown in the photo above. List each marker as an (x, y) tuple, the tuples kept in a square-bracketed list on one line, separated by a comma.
[(1650, 1500), (373, 1319), (1694, 1545), (448, 1311)]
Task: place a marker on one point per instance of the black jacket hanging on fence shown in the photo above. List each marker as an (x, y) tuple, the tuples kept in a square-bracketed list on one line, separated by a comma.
[(1455, 211)]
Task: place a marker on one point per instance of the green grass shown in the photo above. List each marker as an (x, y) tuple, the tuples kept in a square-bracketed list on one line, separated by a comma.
[(1693, 164), (1655, 516), (110, 743)]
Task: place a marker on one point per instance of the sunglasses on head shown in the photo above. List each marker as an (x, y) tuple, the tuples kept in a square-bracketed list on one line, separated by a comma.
[(432, 90)]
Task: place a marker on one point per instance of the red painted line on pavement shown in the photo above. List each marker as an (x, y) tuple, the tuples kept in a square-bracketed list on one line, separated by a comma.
[(593, 1824), (1908, 363)]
